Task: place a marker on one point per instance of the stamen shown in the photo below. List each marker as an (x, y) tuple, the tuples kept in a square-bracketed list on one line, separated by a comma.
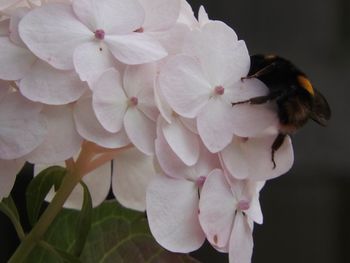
[(219, 90), (139, 30), (100, 34), (133, 101), (243, 205), (200, 181)]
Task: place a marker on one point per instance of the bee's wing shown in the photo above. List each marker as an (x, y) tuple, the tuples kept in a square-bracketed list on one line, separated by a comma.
[(321, 112)]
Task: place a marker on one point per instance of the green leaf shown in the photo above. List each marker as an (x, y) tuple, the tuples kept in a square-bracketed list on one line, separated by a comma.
[(83, 222), (8, 207), (39, 188), (117, 234), (61, 255)]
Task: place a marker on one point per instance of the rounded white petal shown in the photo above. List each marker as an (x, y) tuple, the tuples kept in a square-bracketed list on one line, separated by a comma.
[(132, 173), (221, 55), (172, 212), (183, 142), (215, 125), (109, 100), (22, 127), (8, 172), (217, 209), (52, 32), (16, 61), (98, 182), (90, 129), (251, 159), (51, 86), (135, 48), (91, 59), (241, 241), (62, 140), (122, 16), (184, 86), (160, 14), (140, 129)]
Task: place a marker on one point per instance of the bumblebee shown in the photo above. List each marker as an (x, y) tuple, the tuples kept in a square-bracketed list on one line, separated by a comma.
[(296, 99)]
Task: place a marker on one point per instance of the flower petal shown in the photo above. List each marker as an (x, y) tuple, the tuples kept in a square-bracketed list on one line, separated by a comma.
[(221, 55), (22, 127), (7, 3), (132, 173), (62, 140), (16, 16), (215, 125), (140, 130), (8, 173), (135, 48), (184, 86), (172, 212), (217, 209), (52, 32), (109, 100), (160, 14), (241, 241), (16, 61), (91, 59), (51, 86), (122, 16), (251, 159), (90, 129), (182, 141)]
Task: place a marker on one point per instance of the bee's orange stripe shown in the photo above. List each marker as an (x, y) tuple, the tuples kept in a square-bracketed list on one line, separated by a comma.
[(305, 83)]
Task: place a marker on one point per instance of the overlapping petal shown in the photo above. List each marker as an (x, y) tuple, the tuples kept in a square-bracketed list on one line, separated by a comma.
[(172, 211)]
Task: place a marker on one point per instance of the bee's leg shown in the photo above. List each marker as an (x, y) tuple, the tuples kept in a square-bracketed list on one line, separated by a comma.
[(277, 143), (256, 100), (261, 72)]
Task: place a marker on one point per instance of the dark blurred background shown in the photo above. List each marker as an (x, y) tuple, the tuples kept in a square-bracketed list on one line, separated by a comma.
[(307, 211)]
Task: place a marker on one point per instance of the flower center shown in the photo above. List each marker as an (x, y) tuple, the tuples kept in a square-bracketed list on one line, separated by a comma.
[(219, 90), (133, 101), (200, 181), (100, 34), (139, 30), (243, 205)]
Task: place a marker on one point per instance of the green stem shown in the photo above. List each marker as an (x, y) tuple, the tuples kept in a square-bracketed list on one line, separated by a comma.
[(36, 234)]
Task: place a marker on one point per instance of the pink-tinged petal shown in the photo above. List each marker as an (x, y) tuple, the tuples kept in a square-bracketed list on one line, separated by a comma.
[(4, 28), (147, 104), (190, 124), (132, 173), (251, 158), (138, 78), (109, 100), (90, 129), (221, 55), (162, 105), (184, 85), (8, 172), (62, 140), (250, 120), (16, 17), (183, 142), (121, 17), (160, 14), (172, 212), (241, 241), (217, 209), (140, 130), (186, 15), (215, 125), (135, 48), (98, 182), (22, 127), (203, 17), (52, 32), (7, 3), (51, 86), (172, 40), (16, 61), (254, 212), (92, 59)]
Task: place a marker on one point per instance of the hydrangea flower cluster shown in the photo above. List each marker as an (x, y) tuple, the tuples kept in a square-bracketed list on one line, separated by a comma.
[(147, 85)]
